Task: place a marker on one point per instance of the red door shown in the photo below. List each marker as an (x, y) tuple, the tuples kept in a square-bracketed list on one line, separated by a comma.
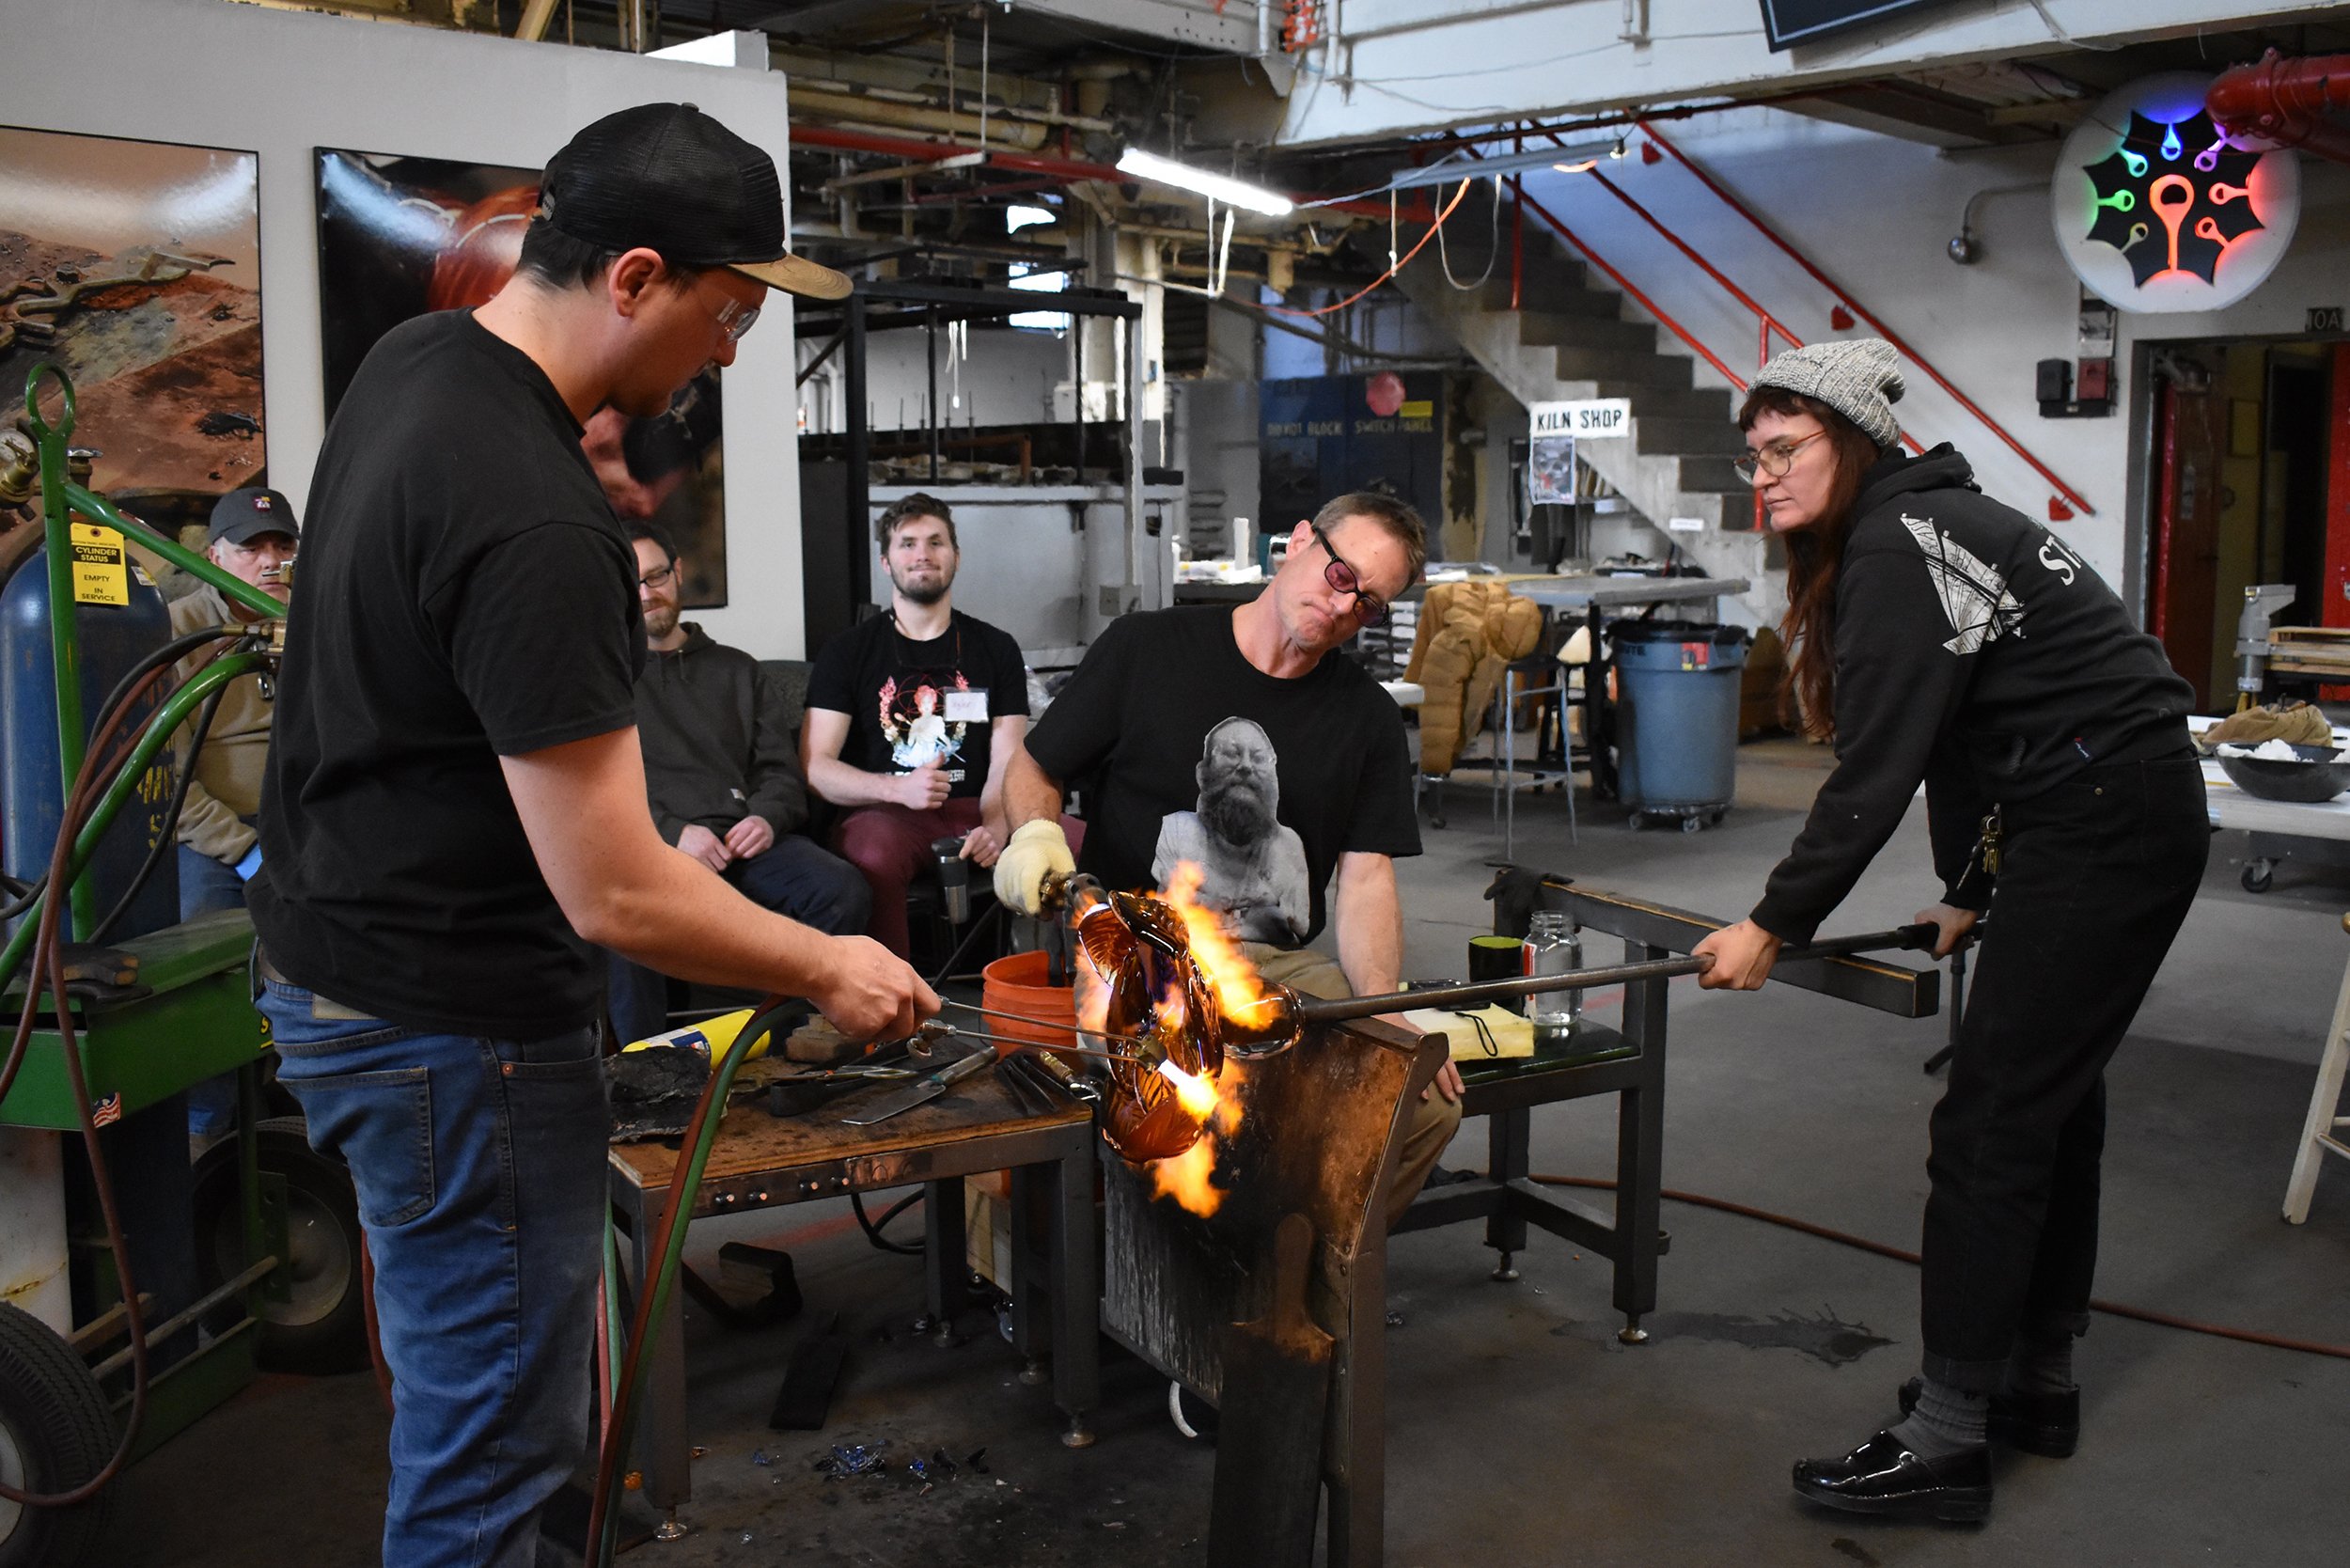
[(2190, 439), (2334, 585)]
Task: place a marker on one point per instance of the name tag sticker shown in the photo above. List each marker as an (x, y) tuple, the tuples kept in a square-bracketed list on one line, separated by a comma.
[(100, 572), (967, 707)]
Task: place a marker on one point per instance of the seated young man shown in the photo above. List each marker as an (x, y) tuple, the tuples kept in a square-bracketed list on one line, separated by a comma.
[(911, 716), (722, 779)]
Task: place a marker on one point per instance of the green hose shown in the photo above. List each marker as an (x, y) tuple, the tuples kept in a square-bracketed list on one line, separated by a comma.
[(158, 735), (687, 1186)]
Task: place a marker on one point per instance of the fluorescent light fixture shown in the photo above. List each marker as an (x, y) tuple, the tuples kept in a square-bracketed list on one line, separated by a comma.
[(1029, 281), (1233, 192), (1574, 158)]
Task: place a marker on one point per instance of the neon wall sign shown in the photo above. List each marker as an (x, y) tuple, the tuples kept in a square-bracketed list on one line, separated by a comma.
[(2157, 211)]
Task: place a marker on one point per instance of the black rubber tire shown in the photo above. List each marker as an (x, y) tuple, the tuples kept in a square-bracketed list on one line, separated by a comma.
[(2259, 875), (56, 1433), (325, 1328)]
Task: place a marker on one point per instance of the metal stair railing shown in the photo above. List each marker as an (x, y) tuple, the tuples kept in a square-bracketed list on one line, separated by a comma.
[(1844, 297), (1769, 324)]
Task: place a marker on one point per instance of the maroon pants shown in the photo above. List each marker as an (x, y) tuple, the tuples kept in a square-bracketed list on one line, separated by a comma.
[(891, 845)]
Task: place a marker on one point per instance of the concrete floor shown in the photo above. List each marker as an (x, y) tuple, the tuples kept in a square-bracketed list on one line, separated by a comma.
[(1520, 1432)]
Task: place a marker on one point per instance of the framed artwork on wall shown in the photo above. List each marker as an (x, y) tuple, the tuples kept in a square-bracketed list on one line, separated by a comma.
[(135, 266), (401, 236)]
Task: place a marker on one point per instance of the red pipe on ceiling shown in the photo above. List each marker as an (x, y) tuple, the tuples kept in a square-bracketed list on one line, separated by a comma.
[(2285, 102), (1413, 206)]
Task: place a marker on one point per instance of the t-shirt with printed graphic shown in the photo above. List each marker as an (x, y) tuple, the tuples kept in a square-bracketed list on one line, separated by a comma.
[(1192, 756), (913, 702)]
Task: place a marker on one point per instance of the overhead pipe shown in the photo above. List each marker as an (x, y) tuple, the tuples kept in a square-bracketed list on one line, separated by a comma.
[(871, 110), (2285, 102), (1071, 170)]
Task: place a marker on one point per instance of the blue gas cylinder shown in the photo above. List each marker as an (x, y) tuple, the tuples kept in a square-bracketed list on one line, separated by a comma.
[(113, 638)]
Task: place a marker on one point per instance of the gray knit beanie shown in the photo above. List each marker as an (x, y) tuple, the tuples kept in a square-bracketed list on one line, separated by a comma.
[(1860, 378)]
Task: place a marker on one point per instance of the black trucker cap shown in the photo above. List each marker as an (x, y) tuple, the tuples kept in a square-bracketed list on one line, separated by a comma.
[(242, 514), (667, 177)]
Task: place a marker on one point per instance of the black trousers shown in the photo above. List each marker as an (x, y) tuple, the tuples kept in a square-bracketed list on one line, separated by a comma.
[(2094, 879)]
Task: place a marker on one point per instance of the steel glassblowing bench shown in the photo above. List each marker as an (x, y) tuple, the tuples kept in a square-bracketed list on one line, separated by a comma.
[(987, 1122)]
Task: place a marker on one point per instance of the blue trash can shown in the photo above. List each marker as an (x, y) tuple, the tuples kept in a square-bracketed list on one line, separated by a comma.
[(1677, 718)]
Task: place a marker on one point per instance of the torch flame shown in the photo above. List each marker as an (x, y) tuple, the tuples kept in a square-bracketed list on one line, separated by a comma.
[(1239, 993), (1188, 1179), (1196, 1094)]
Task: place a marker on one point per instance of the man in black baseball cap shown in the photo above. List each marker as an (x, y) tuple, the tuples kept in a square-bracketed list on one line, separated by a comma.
[(668, 177), (455, 808)]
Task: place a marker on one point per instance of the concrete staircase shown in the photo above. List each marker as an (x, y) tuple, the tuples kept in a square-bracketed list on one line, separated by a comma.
[(1570, 340)]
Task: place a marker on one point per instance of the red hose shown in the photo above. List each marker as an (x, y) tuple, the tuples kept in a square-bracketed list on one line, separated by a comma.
[(2111, 1309)]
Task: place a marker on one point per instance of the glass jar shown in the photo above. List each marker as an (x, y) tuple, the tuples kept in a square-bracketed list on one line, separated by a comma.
[(1553, 947)]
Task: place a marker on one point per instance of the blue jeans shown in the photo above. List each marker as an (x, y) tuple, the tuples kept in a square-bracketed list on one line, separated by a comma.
[(205, 887), (795, 877), (479, 1165)]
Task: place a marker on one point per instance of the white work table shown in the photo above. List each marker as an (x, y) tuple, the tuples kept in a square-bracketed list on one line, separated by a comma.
[(2271, 819)]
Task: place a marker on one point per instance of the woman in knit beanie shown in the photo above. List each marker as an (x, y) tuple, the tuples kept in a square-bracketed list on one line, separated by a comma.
[(1941, 637)]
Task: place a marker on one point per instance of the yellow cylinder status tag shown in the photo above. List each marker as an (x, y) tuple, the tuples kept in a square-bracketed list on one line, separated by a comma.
[(102, 574)]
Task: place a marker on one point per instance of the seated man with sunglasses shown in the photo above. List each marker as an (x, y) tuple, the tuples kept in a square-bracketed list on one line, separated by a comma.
[(1220, 740)]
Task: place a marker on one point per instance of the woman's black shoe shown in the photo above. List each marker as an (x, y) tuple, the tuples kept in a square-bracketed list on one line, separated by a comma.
[(1883, 1477), (2048, 1425)]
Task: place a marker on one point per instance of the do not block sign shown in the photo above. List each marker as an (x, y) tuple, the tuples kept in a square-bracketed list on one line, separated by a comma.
[(1587, 419)]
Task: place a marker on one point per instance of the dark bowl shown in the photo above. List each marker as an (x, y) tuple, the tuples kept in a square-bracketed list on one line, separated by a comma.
[(2319, 776)]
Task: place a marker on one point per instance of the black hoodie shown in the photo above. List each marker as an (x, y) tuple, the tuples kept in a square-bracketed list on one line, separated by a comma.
[(1976, 652), (717, 737)]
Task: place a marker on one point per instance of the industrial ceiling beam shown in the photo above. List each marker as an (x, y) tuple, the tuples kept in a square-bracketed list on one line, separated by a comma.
[(1228, 29)]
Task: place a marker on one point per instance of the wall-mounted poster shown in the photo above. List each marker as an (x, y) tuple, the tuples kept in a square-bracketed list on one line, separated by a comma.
[(401, 236), (136, 267)]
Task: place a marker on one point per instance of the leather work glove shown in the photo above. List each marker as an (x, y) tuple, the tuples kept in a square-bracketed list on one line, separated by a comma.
[(1035, 852)]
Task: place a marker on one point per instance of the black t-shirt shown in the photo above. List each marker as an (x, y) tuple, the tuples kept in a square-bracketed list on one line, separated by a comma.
[(912, 702), (1178, 736), (464, 594)]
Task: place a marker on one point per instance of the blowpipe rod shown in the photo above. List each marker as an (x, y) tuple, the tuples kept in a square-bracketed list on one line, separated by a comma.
[(1310, 1012)]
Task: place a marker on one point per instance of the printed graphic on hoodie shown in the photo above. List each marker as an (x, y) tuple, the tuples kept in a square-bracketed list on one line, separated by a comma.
[(1973, 594)]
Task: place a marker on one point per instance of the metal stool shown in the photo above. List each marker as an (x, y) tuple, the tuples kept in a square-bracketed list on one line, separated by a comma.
[(2317, 1132)]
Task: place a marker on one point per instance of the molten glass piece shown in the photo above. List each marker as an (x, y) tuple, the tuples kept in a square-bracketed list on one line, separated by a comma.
[(1174, 998)]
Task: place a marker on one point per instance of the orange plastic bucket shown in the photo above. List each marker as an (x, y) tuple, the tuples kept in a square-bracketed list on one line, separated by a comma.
[(1022, 984)]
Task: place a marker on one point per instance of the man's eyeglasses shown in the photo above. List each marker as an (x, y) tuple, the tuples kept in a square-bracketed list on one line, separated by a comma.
[(1369, 610), (734, 317), (1773, 460), (657, 578)]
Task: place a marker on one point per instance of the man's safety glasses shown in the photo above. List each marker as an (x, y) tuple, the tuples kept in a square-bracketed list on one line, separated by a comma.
[(1369, 610)]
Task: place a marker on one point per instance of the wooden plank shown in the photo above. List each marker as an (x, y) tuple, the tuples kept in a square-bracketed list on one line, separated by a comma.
[(1316, 1134)]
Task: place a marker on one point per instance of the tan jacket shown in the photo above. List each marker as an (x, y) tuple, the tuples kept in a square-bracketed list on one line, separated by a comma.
[(1468, 634), (227, 783)]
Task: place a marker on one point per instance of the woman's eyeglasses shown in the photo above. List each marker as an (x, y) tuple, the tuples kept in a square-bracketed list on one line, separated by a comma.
[(1773, 460), (1369, 609)]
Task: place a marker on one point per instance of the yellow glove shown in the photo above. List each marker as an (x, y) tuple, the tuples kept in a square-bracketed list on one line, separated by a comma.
[(1035, 852)]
